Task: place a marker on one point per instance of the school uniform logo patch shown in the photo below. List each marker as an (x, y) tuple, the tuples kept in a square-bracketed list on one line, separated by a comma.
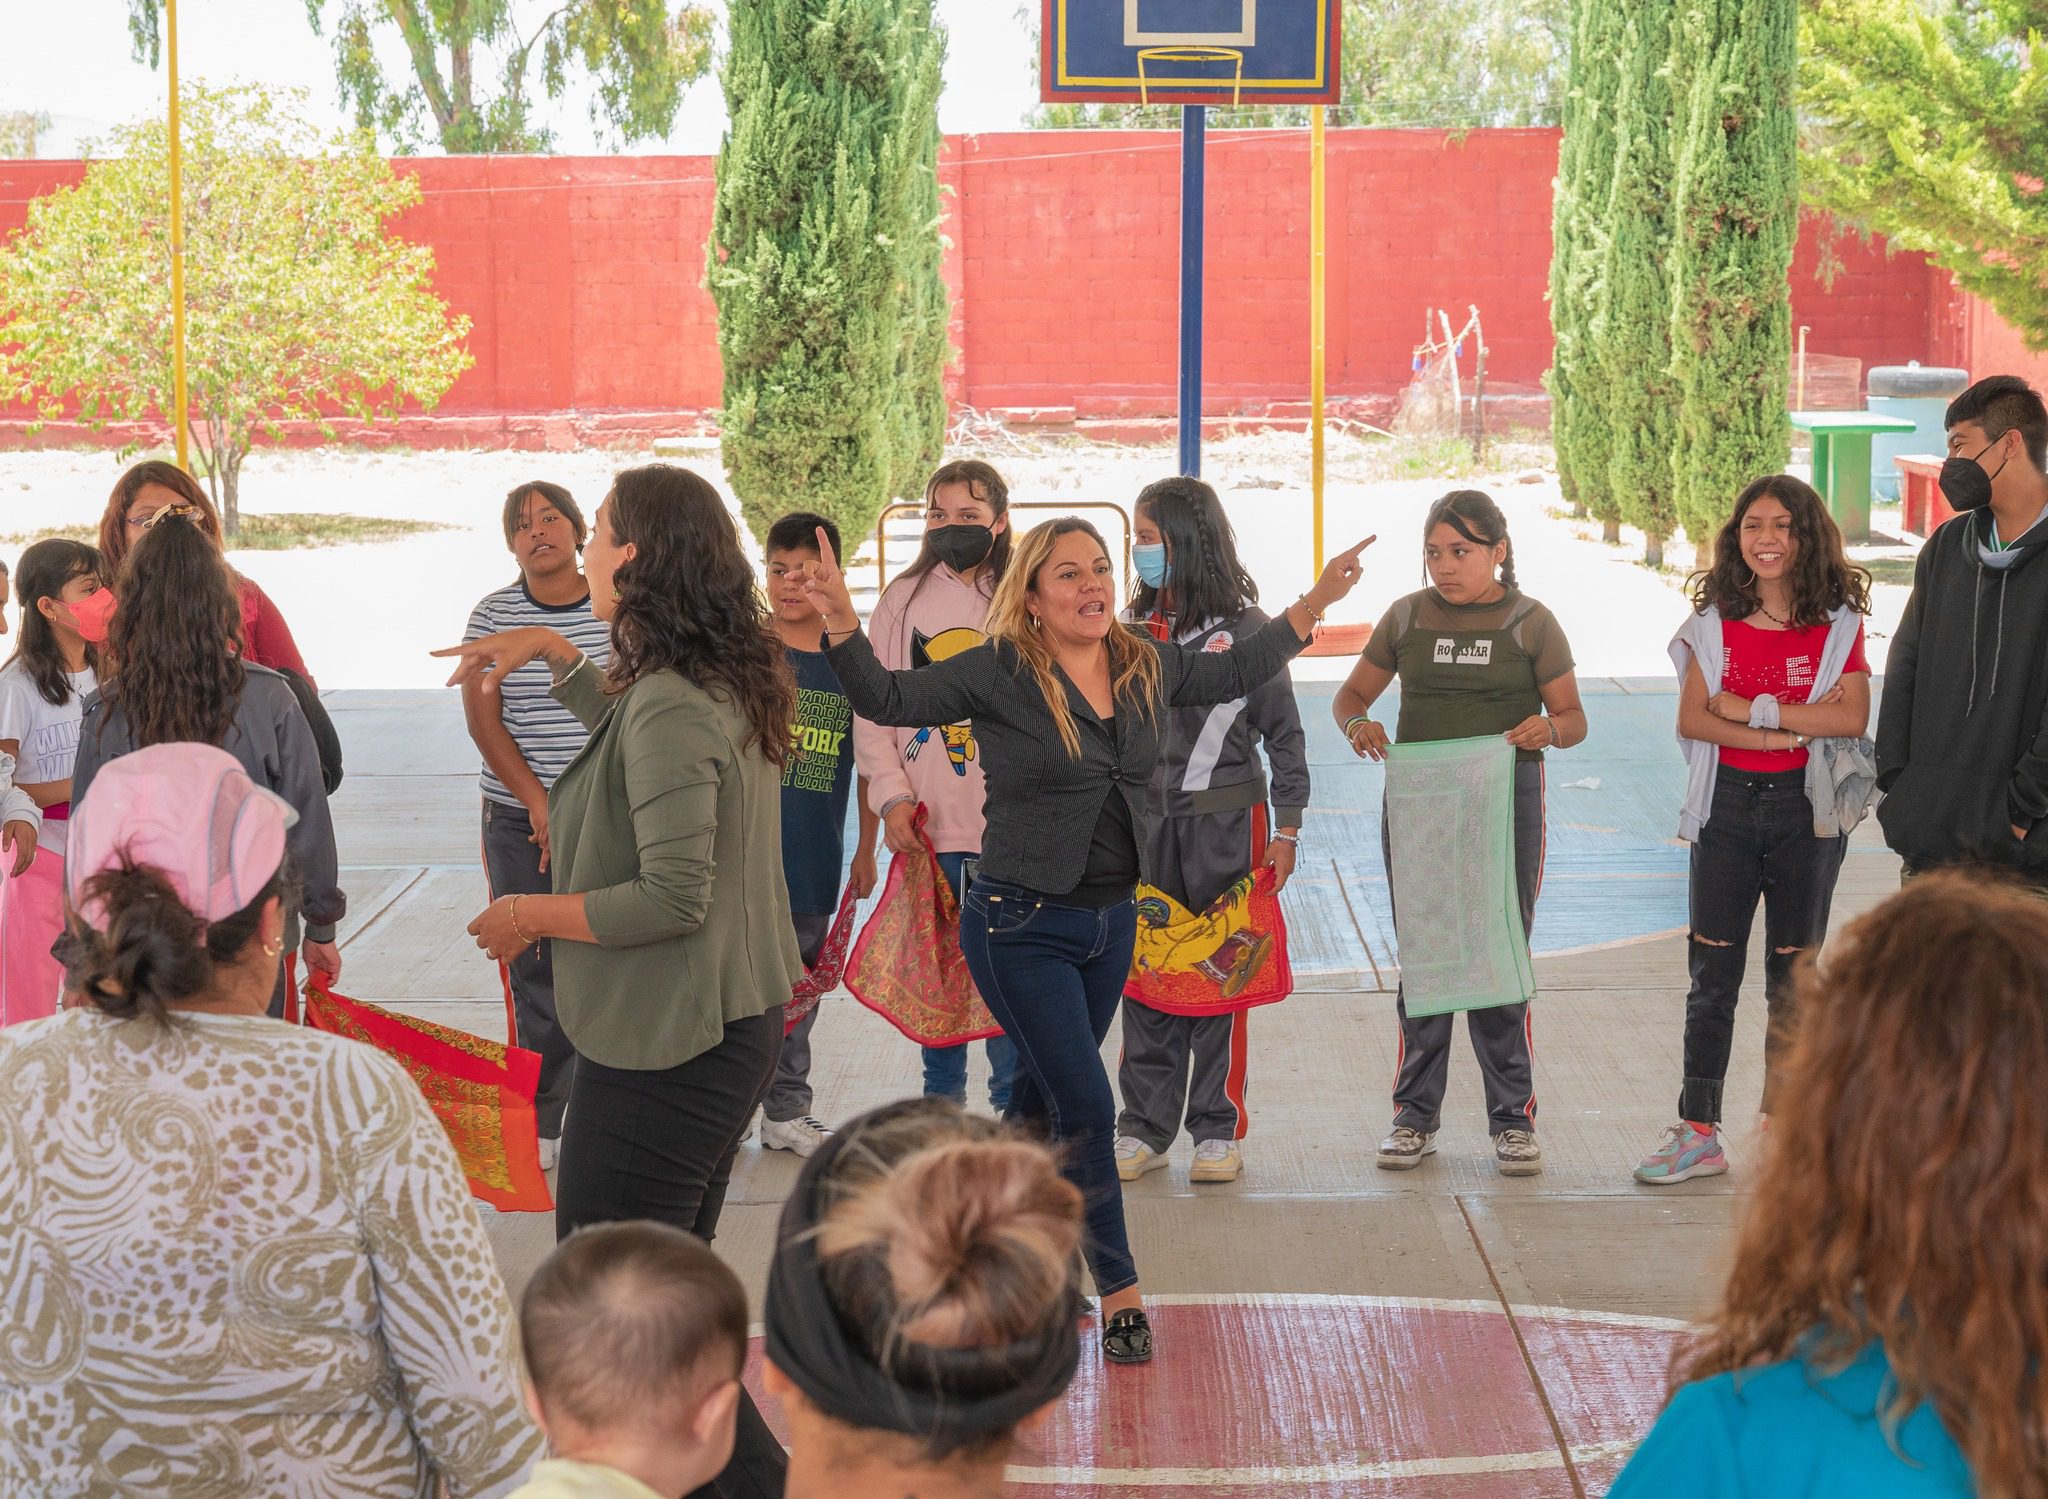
[(1220, 641)]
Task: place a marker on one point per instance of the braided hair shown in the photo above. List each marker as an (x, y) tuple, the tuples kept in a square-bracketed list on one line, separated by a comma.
[(1474, 516), (1207, 581)]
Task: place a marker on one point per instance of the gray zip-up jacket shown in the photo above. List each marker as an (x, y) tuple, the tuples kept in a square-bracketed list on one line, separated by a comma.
[(272, 739), (1209, 756)]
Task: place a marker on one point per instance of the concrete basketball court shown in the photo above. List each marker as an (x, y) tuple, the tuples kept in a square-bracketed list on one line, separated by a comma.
[(1325, 1328)]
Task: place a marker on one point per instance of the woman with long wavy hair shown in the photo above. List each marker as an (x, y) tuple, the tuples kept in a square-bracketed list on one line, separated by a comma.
[(153, 488), (1885, 1327), (175, 673), (673, 947), (1067, 705), (1773, 689)]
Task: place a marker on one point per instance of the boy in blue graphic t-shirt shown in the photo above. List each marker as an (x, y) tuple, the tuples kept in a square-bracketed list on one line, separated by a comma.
[(815, 781)]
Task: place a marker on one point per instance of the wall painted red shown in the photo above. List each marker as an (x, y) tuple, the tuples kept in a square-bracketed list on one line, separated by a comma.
[(584, 277)]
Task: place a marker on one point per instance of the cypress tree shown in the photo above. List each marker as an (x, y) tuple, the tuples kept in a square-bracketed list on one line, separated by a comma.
[(1632, 342), (824, 256), (917, 418), (1735, 217), (1585, 173)]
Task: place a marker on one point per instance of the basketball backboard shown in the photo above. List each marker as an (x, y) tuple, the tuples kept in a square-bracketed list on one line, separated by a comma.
[(1190, 51)]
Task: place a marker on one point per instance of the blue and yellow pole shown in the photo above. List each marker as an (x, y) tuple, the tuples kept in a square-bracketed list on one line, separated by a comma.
[(1316, 328), (1194, 120), (180, 402)]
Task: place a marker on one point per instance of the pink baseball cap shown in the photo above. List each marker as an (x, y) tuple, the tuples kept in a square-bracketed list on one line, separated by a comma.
[(187, 811)]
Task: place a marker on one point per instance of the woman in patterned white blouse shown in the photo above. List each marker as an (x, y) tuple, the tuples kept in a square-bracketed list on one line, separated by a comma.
[(236, 1257)]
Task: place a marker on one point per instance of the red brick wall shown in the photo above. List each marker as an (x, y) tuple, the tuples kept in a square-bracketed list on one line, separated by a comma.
[(584, 275)]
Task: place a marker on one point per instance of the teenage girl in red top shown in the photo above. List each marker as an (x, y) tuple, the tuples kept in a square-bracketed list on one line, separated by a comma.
[(139, 496), (1773, 659)]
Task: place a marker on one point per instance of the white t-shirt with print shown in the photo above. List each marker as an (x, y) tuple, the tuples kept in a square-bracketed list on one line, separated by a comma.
[(48, 732)]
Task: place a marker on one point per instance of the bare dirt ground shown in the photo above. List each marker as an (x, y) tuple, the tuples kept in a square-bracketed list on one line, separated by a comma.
[(366, 615)]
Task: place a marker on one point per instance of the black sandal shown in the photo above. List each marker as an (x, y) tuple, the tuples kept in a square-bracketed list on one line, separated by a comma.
[(1127, 1338)]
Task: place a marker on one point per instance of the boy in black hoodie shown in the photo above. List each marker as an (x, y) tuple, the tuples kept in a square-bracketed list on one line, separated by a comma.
[(1962, 730)]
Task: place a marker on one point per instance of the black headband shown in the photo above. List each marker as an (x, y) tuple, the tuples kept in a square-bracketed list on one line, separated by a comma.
[(928, 1393)]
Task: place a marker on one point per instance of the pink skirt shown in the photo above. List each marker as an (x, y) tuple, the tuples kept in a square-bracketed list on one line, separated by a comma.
[(31, 916)]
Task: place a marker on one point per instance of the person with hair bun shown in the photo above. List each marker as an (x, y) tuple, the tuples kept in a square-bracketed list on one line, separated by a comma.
[(241, 1256), (921, 1305), (1884, 1330), (1474, 656)]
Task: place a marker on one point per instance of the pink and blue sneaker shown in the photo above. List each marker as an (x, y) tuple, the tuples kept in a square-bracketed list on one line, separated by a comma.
[(1687, 1151)]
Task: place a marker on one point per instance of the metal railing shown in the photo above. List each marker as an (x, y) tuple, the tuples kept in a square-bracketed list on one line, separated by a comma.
[(1059, 507)]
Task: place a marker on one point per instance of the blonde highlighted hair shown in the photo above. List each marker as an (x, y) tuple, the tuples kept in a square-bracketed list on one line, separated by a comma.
[(1133, 664)]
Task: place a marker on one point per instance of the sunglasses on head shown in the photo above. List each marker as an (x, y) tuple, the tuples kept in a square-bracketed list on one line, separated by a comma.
[(176, 507)]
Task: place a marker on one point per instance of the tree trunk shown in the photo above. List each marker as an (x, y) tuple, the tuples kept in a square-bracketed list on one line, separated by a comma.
[(1653, 550), (228, 463), (1610, 532)]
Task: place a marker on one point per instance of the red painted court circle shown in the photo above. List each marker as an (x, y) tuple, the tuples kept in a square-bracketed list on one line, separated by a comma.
[(1350, 1397)]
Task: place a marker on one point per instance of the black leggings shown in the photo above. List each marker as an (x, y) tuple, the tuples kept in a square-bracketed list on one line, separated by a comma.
[(660, 1145)]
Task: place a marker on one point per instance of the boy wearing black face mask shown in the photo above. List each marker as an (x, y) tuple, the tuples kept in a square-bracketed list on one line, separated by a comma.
[(1962, 736)]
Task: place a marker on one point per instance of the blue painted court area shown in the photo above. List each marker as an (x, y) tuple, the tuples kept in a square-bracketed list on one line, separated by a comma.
[(1614, 870)]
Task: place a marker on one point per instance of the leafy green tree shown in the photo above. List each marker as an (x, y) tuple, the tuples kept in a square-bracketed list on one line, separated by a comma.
[(1632, 340), (1459, 64), (1580, 432), (1928, 124), (1735, 217), (641, 55), (20, 131), (824, 256), (299, 304)]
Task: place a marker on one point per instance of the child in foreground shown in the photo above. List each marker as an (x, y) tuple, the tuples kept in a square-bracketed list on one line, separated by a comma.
[(634, 1335)]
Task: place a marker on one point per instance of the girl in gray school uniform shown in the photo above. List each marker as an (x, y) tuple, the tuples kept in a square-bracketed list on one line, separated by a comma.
[(1210, 826)]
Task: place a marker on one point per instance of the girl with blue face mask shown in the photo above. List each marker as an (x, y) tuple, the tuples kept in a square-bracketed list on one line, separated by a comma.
[(1212, 826)]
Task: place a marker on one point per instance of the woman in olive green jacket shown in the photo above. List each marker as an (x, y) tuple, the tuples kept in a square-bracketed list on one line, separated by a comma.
[(673, 947)]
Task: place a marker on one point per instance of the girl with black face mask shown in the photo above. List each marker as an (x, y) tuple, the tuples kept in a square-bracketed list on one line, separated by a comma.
[(932, 610)]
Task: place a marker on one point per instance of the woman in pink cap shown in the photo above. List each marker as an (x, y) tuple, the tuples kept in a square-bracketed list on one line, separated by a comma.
[(243, 1256)]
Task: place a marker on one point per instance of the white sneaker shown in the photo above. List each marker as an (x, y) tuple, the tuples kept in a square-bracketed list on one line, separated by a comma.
[(550, 1154), (1216, 1161), (802, 1134), (1134, 1158), (1404, 1149)]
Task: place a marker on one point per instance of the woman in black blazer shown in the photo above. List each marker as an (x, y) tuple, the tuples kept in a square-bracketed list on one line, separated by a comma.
[(1066, 707)]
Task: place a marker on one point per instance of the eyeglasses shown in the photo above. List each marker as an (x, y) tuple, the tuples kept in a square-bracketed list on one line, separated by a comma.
[(175, 508)]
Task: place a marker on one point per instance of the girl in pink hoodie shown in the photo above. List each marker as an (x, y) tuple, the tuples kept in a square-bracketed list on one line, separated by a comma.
[(934, 609)]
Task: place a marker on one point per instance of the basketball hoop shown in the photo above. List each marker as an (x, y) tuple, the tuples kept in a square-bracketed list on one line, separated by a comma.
[(1186, 54)]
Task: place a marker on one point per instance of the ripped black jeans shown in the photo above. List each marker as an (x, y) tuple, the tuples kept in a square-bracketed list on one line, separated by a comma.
[(1759, 842)]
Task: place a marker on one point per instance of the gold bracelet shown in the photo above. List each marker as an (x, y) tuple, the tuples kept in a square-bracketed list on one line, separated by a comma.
[(1313, 613), (513, 912)]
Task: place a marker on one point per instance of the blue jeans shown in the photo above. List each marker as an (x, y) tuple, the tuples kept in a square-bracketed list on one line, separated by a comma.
[(1053, 976), (945, 1067)]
